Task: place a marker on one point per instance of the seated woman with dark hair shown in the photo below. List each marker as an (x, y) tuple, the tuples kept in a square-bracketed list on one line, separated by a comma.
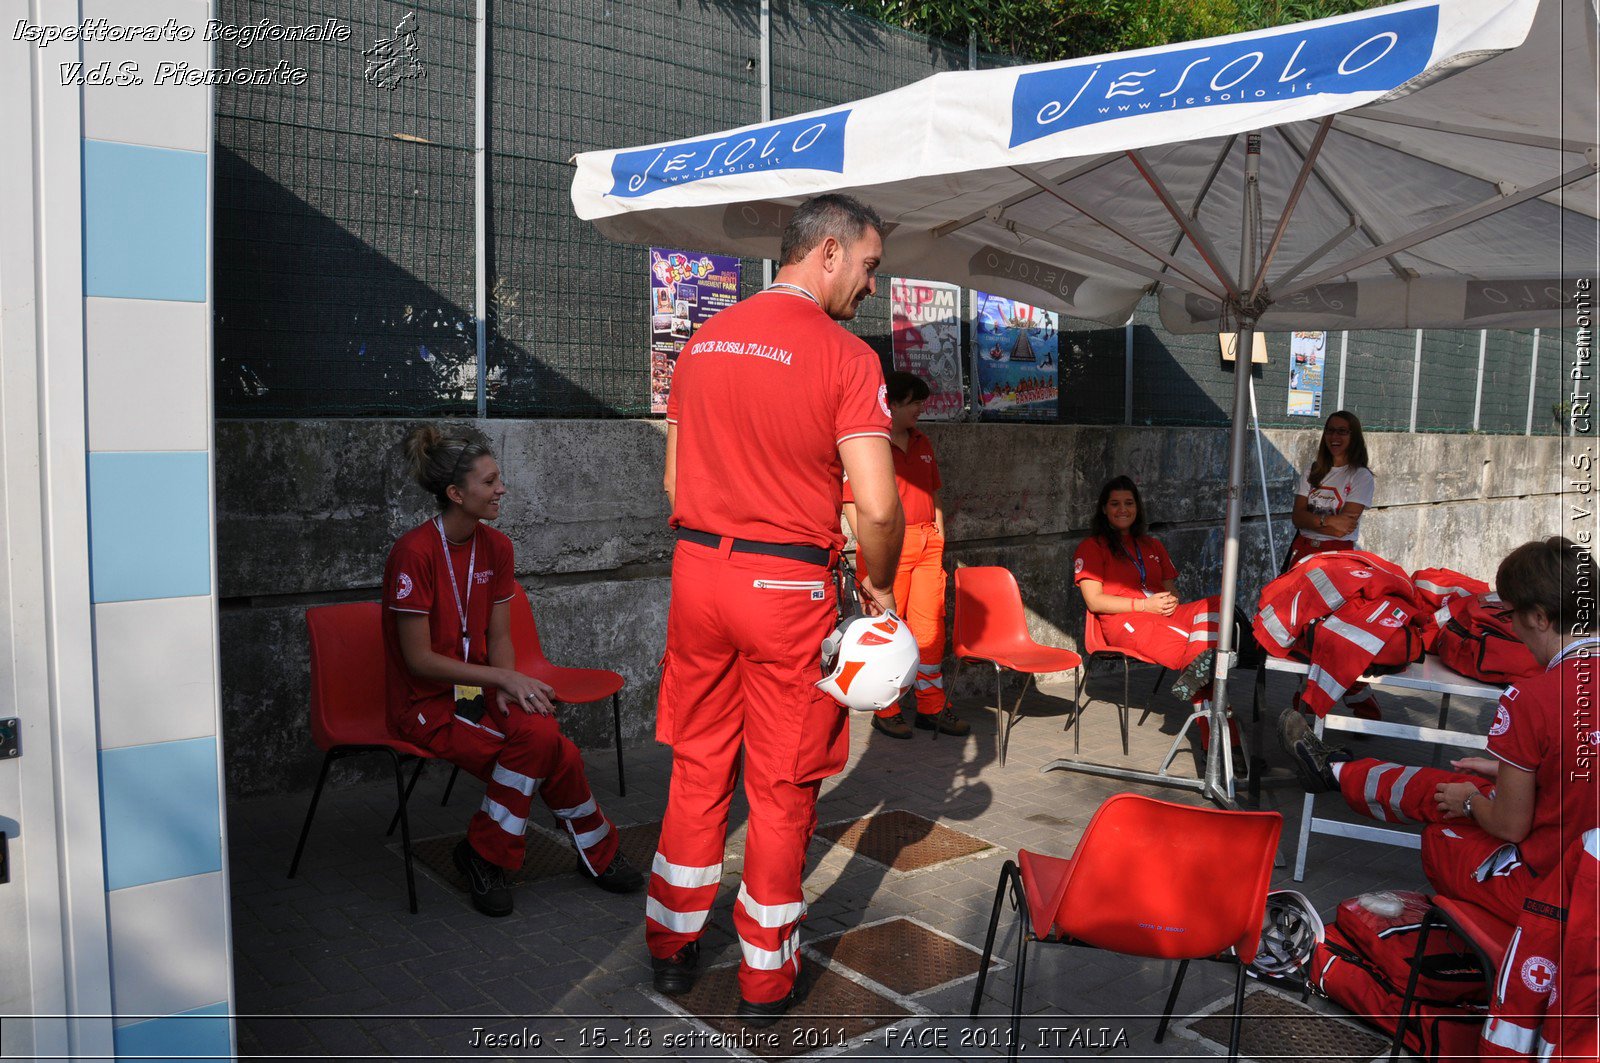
[(1130, 586)]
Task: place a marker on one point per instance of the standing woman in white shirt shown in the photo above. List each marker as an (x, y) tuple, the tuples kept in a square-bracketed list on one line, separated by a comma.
[(1328, 505), (1334, 492)]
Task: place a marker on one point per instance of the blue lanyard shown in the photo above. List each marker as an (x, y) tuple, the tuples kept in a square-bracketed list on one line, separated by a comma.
[(1137, 557)]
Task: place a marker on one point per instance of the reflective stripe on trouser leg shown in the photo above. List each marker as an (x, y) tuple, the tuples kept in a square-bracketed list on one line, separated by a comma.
[(591, 832), (1396, 793)]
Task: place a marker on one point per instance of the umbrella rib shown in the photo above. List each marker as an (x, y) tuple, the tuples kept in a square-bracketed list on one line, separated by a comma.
[(1305, 263), (1196, 232), (1181, 280), (1331, 187), (1500, 136), (1205, 189), (1119, 231), (1307, 164), (1455, 221), (944, 229), (1399, 145)]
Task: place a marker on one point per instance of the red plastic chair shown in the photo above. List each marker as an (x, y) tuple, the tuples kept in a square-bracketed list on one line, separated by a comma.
[(1098, 649), (349, 716), (990, 626), (573, 686), (1484, 932), (1149, 878)]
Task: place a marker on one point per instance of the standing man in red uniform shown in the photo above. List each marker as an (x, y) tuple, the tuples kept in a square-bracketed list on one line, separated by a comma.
[(772, 403), (919, 583)]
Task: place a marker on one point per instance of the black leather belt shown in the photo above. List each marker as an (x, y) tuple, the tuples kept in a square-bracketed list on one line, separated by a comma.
[(813, 555)]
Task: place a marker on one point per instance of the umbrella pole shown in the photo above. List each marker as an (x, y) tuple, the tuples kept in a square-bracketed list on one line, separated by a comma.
[(1219, 783)]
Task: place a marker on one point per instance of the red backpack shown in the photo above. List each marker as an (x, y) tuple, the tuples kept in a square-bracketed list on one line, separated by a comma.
[(1366, 958), (1436, 587), (1474, 640)]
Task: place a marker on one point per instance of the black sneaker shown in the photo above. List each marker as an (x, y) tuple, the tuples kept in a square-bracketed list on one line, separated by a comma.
[(1309, 755), (676, 973), (619, 876), (759, 1016), (486, 882), (894, 726), (945, 721)]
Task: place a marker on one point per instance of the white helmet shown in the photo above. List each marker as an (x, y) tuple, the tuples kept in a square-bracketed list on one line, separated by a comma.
[(869, 662), (1290, 930)]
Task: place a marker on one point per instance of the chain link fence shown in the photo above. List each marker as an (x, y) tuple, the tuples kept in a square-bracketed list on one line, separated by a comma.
[(346, 237)]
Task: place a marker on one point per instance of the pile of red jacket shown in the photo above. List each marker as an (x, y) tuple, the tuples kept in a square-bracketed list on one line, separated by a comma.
[(1349, 613)]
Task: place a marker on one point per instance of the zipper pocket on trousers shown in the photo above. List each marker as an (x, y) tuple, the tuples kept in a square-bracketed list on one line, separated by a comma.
[(789, 585)]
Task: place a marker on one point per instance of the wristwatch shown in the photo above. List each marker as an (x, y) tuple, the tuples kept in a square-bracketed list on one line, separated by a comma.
[(1322, 520), (1466, 806)]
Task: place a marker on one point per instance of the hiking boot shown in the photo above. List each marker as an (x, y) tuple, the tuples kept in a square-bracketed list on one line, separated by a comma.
[(486, 882), (759, 1016), (676, 973), (619, 876), (894, 726), (1310, 756), (1195, 677), (945, 721)]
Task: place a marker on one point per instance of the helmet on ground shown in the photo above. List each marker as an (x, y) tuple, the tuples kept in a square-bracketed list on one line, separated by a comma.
[(868, 662), (1290, 930)]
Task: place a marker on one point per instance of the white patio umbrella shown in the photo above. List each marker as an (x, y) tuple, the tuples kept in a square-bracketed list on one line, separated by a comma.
[(1430, 164)]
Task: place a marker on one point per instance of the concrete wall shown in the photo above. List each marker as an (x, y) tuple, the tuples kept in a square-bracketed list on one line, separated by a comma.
[(307, 511)]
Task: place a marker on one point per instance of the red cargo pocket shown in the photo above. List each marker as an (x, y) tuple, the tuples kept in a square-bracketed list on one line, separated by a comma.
[(664, 699), (824, 744)]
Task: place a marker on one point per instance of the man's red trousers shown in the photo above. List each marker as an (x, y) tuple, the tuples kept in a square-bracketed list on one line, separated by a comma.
[(744, 637)]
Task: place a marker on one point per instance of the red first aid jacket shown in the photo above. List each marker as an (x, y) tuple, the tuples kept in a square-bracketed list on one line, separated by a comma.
[(1344, 611)]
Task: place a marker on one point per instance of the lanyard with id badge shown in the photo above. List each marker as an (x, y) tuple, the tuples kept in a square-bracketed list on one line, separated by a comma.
[(470, 701)]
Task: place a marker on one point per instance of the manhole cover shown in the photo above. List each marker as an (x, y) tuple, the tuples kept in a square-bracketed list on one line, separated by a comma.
[(1276, 1027), (902, 840), (901, 955)]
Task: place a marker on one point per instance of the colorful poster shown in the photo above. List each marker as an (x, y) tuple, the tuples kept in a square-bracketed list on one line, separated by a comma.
[(927, 341), (1015, 353), (685, 289), (1307, 356)]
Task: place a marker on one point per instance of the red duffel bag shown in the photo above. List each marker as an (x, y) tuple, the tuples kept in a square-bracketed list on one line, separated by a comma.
[(1477, 641)]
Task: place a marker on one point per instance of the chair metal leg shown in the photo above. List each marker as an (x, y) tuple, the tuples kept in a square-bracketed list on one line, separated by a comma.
[(1122, 718), (1075, 722), (1411, 988), (394, 820), (449, 786), (1172, 999), (616, 723), (405, 827), (1126, 696), (316, 795), (1238, 1016), (999, 716), (1010, 718), (1024, 932), (1008, 873)]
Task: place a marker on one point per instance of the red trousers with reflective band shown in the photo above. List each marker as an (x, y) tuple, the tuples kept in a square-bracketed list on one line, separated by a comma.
[(1546, 1001), (744, 638), (1171, 641), (1453, 850), (919, 591), (518, 756)]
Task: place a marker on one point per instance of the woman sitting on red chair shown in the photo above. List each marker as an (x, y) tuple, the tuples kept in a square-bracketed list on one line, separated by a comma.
[(447, 636), (1130, 586)]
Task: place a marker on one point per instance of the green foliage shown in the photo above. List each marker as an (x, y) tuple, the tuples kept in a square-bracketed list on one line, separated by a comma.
[(1043, 30)]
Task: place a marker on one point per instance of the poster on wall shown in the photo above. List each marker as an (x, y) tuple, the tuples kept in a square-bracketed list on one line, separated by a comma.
[(686, 288), (927, 341), (1016, 359), (1307, 355)]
